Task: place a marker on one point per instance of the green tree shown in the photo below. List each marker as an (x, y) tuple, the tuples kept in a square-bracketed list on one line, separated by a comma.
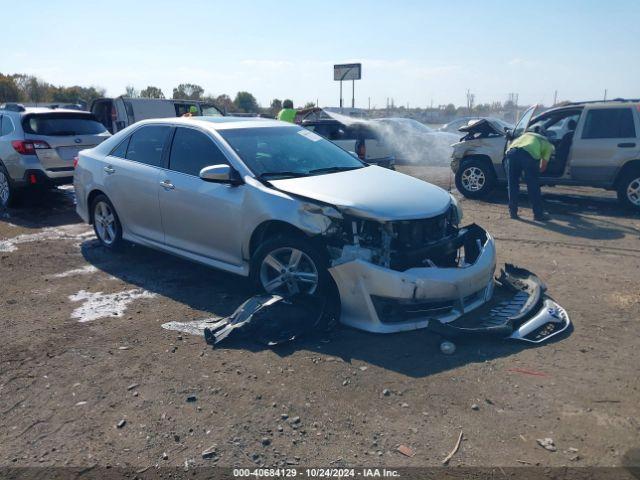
[(245, 102), (9, 91), (151, 92), (131, 92), (224, 103), (188, 91), (76, 94)]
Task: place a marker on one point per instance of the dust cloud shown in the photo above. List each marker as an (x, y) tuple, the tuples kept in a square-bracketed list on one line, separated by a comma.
[(411, 142)]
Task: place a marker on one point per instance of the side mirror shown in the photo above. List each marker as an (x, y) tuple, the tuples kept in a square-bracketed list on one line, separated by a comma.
[(508, 133), (220, 174)]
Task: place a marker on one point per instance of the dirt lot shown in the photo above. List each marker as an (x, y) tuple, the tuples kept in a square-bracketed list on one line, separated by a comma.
[(84, 350)]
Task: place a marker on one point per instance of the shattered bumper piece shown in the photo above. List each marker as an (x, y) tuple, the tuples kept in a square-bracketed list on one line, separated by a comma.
[(382, 300), (519, 310)]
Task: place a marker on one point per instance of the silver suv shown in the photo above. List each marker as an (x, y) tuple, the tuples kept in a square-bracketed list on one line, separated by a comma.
[(597, 145), (38, 146), (282, 205)]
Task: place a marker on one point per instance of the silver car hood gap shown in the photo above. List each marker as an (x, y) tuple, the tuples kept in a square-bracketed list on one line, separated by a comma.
[(372, 192)]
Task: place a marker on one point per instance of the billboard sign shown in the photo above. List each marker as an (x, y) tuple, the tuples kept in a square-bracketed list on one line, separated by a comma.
[(347, 71)]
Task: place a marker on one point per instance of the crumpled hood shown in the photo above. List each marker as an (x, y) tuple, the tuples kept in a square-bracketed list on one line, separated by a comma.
[(371, 192)]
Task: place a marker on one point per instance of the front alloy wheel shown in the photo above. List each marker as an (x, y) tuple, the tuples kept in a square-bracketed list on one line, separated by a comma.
[(473, 179), (287, 271), (633, 192)]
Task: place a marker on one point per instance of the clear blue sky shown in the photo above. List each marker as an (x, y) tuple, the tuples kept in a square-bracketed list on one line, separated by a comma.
[(413, 51)]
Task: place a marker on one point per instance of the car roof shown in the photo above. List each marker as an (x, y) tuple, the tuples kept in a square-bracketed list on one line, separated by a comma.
[(220, 123)]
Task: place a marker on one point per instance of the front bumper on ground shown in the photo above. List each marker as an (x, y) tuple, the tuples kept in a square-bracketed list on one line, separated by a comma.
[(381, 300)]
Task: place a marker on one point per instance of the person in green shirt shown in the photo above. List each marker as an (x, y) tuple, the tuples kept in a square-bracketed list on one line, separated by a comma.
[(528, 154), (289, 114)]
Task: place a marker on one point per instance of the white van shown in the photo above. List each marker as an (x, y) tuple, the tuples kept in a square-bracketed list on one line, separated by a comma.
[(120, 112)]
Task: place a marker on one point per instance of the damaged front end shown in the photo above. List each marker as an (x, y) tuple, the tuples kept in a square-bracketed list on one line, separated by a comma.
[(404, 275), (400, 275)]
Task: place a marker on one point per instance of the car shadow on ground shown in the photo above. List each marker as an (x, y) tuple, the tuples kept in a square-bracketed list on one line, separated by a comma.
[(43, 208), (576, 214), (218, 294)]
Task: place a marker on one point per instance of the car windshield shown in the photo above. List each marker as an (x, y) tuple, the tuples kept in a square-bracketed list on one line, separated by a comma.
[(61, 124), (282, 152)]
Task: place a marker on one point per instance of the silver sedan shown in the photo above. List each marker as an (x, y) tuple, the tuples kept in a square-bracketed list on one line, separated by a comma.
[(292, 211)]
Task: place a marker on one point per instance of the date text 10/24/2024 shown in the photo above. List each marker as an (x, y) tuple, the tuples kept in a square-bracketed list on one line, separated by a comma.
[(315, 473)]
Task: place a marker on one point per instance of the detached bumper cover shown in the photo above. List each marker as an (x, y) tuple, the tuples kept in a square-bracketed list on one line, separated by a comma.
[(381, 300), (519, 310)]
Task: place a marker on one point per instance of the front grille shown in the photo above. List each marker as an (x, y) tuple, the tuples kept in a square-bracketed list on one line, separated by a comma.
[(391, 310), (417, 233)]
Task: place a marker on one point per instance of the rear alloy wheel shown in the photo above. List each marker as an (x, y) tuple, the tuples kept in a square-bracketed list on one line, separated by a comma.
[(629, 190), (106, 223), (6, 191), (475, 179)]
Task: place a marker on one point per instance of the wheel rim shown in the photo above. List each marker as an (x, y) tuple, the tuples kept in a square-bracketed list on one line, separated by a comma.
[(4, 189), (287, 271), (473, 179), (105, 222), (633, 192)]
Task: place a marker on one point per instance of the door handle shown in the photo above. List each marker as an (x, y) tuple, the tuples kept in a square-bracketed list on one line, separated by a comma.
[(627, 145), (109, 170), (167, 185)]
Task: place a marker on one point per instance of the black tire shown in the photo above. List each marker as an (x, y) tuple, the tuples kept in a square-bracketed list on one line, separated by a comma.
[(8, 193), (326, 287), (476, 178), (110, 238), (629, 189)]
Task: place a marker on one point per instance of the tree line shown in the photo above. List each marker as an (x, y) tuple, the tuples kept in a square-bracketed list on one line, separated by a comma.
[(20, 87)]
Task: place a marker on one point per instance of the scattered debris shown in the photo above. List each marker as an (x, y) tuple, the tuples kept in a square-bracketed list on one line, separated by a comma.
[(525, 371), (191, 398), (404, 405), (386, 392), (406, 451), (195, 327), (547, 444), (165, 456), (121, 423), (210, 452), (270, 319), (132, 386), (475, 407), (284, 416), (448, 348), (266, 441), (454, 451), (295, 420)]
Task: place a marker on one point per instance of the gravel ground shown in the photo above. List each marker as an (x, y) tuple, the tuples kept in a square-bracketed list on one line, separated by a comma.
[(89, 377)]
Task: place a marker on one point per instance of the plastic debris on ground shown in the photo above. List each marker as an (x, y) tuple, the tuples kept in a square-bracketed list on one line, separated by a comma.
[(269, 320)]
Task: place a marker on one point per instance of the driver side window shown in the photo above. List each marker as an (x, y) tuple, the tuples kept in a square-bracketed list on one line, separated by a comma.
[(192, 150)]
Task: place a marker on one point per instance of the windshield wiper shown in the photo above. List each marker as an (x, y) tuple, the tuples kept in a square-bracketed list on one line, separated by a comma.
[(283, 174), (334, 169)]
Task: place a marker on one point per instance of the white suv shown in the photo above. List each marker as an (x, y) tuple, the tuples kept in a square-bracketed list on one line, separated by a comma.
[(597, 145)]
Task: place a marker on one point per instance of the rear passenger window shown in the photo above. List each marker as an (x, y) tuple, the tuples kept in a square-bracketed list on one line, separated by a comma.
[(121, 150), (7, 126), (146, 144), (192, 150), (609, 123)]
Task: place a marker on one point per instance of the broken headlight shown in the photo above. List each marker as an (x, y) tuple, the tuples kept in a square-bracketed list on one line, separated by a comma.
[(455, 212)]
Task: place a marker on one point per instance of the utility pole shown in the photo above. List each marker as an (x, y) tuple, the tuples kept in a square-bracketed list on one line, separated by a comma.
[(555, 98), (605, 94), (369, 103)]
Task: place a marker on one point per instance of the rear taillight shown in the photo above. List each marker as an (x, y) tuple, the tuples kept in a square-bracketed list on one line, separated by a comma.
[(75, 161), (29, 147)]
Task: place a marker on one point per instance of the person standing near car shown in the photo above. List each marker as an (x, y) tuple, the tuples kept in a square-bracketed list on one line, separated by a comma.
[(289, 114), (528, 154)]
